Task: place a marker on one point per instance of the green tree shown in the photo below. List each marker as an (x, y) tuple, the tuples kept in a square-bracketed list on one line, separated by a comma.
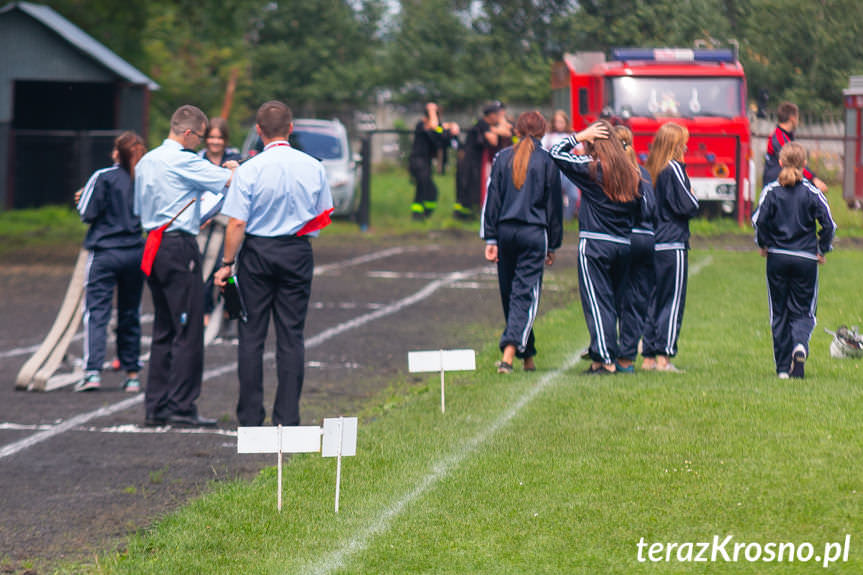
[(317, 56)]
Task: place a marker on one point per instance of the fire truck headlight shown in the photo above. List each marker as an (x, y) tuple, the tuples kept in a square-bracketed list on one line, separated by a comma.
[(727, 207), (729, 190)]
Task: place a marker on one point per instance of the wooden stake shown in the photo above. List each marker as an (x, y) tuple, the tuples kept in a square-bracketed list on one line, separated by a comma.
[(339, 461), (279, 497), (442, 386)]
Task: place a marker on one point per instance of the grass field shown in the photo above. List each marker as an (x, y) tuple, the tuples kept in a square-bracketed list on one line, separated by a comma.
[(556, 472)]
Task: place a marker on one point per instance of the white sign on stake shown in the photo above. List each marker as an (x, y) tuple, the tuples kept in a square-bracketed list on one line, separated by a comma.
[(337, 438), (442, 360)]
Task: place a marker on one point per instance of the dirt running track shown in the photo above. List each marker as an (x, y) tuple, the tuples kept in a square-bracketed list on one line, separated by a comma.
[(75, 487)]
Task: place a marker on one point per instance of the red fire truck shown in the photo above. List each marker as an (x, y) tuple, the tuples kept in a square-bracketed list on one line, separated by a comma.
[(704, 90)]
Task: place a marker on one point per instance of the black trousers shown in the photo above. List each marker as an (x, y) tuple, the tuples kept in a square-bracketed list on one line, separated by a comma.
[(107, 269), (426, 193), (635, 299), (792, 291), (522, 250), (275, 277), (603, 274), (666, 306), (177, 352)]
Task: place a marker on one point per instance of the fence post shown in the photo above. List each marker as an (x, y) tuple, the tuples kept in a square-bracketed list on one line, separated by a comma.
[(364, 212)]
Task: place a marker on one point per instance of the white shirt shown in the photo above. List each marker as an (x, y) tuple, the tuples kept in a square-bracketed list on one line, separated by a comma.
[(278, 191)]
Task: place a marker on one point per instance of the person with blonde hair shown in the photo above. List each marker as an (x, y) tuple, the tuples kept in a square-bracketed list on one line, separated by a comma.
[(558, 131), (609, 203), (633, 306), (676, 205), (785, 231), (522, 225)]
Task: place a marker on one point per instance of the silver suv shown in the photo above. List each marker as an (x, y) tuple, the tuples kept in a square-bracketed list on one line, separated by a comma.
[(327, 141)]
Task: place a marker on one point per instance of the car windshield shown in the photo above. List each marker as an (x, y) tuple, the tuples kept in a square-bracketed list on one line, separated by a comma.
[(320, 145), (675, 97)]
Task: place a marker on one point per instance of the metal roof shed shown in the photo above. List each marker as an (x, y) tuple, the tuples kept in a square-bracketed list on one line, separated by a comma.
[(64, 96)]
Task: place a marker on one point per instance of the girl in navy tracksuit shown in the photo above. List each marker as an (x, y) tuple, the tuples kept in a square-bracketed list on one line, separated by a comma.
[(522, 224), (642, 278), (116, 246), (785, 232), (609, 204), (676, 205)]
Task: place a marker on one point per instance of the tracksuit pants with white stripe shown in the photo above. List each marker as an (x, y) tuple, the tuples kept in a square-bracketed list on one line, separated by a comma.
[(666, 307), (603, 274), (792, 289), (522, 250), (107, 269), (635, 301)]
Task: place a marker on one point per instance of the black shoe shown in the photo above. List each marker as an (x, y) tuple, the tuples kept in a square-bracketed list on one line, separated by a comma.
[(154, 421), (191, 421), (597, 371), (798, 360)]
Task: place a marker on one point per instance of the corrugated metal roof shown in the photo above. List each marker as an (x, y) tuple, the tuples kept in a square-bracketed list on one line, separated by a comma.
[(82, 41)]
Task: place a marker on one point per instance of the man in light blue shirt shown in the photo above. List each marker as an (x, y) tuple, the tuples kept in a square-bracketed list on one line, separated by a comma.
[(166, 179), (271, 198)]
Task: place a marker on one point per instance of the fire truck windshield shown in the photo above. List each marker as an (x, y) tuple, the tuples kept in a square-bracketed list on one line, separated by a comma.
[(674, 97)]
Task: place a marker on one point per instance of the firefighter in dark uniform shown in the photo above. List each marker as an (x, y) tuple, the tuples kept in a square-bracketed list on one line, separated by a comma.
[(789, 116), (115, 243), (272, 197), (166, 179), (676, 205), (430, 135), (642, 277), (785, 230), (480, 138), (522, 224), (609, 204)]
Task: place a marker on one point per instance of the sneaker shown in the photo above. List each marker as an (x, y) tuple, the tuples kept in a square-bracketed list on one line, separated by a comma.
[(798, 359), (91, 382), (597, 371), (628, 369), (503, 367), (783, 375), (132, 385), (669, 368)]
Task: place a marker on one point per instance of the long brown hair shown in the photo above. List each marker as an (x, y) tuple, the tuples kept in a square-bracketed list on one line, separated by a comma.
[(624, 134), (529, 125), (792, 157), (130, 148), (669, 144), (619, 174)]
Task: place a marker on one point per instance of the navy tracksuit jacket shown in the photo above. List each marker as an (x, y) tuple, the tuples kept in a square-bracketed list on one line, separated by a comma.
[(526, 224), (675, 207), (785, 224), (634, 305), (771, 159), (116, 245), (605, 227)]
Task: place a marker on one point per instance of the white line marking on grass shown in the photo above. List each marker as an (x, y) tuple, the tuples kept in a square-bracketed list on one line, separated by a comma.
[(327, 334), (442, 468), (700, 265), (336, 560)]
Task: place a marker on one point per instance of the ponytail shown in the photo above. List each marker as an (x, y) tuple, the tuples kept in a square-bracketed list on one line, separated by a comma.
[(529, 125), (130, 148), (520, 160), (792, 158)]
